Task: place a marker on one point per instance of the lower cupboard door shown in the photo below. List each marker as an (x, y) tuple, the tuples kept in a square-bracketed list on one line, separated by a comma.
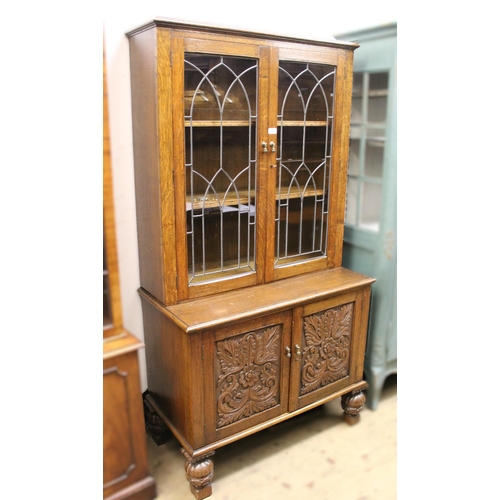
[(247, 374), (328, 347)]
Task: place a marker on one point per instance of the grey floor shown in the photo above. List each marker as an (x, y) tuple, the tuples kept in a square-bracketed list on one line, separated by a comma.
[(315, 456)]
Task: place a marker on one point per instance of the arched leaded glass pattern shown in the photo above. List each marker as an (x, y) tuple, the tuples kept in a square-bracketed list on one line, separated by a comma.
[(305, 121), (220, 101)]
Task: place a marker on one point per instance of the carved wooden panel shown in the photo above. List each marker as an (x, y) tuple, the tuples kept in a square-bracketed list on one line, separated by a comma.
[(247, 374), (327, 344)]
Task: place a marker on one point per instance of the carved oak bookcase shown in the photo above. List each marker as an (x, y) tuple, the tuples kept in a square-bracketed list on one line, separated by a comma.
[(241, 144)]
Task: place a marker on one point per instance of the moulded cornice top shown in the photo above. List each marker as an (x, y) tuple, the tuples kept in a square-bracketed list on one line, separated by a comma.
[(189, 25)]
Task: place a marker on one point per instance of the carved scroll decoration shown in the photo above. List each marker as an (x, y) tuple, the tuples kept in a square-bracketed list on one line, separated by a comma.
[(248, 372), (327, 338)]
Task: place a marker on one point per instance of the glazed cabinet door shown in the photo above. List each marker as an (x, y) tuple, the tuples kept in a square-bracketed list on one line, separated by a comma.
[(246, 374), (260, 160), (219, 97), (308, 178), (328, 347)]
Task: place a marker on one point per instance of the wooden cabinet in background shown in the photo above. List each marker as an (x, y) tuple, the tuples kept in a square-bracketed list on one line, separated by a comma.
[(240, 148), (125, 472), (125, 462)]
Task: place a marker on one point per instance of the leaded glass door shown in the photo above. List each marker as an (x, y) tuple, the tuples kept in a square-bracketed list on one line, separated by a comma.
[(305, 117), (260, 164), (306, 209), (220, 118)]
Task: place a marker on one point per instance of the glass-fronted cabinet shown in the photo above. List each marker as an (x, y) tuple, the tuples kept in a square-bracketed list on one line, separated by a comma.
[(251, 162)]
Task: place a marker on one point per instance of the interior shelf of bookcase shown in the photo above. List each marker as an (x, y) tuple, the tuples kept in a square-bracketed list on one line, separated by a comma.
[(232, 199), (246, 123)]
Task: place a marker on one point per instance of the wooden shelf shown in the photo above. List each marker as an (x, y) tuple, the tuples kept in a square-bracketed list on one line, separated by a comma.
[(218, 123), (295, 193), (232, 200), (300, 123), (246, 123)]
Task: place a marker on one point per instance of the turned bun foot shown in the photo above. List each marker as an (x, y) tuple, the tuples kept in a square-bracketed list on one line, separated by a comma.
[(199, 473), (352, 403)]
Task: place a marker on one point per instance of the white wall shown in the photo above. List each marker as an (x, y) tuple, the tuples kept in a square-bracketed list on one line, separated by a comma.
[(317, 19)]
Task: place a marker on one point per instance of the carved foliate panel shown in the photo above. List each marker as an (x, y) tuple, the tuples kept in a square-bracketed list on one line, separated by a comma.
[(327, 343), (247, 371)]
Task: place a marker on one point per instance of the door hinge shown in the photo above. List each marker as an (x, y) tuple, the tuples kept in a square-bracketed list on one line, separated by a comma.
[(203, 352)]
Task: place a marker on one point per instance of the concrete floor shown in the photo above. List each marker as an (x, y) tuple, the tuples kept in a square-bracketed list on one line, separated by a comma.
[(315, 456)]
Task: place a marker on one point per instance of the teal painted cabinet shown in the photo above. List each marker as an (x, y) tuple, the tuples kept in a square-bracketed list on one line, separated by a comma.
[(370, 238)]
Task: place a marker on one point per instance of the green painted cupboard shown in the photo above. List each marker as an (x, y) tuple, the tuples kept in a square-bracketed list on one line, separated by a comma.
[(370, 236)]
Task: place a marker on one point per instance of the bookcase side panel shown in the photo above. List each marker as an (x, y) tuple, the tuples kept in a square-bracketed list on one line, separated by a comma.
[(143, 77)]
